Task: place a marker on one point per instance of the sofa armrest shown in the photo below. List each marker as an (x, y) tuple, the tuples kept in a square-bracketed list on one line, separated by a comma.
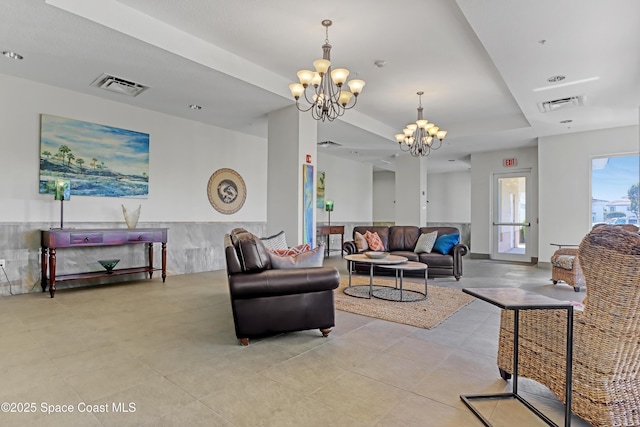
[(459, 250), (350, 247), (270, 283)]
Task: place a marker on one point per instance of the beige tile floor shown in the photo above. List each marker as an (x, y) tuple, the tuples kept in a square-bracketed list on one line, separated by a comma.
[(167, 354)]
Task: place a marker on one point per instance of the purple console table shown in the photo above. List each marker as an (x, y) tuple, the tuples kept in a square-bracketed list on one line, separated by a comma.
[(54, 239)]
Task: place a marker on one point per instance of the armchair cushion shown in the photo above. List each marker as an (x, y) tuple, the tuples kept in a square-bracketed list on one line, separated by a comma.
[(563, 261)]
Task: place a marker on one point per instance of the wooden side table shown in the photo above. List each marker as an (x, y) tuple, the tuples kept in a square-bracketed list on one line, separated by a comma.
[(328, 230)]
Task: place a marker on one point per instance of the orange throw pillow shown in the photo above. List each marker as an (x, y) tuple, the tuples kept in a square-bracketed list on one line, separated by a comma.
[(374, 241)]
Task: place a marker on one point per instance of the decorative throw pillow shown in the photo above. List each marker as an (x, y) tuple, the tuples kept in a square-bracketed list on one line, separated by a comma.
[(291, 251), (277, 241), (374, 241), (309, 259), (361, 242), (445, 242), (425, 242)]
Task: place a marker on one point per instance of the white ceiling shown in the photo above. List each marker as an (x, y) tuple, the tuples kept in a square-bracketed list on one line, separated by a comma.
[(481, 63)]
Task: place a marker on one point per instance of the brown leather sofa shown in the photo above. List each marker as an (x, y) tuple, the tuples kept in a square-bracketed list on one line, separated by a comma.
[(401, 240), (268, 301)]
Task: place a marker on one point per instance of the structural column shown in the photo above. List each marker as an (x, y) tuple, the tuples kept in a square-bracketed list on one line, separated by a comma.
[(411, 190), (292, 136)]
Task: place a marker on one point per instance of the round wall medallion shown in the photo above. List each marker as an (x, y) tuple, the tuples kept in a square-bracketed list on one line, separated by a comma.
[(226, 191)]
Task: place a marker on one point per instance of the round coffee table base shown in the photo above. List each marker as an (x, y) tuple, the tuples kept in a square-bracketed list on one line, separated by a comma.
[(359, 291), (393, 294)]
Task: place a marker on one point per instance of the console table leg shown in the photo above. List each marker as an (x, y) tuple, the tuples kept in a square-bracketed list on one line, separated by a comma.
[(150, 260), (164, 261), (52, 271), (43, 268)]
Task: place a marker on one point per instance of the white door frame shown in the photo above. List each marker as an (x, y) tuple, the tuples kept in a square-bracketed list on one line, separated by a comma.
[(495, 224)]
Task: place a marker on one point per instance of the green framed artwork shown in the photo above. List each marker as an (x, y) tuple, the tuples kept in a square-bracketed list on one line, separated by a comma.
[(99, 160), (320, 190)]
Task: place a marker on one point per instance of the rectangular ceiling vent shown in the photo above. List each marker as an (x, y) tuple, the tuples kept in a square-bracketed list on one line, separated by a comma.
[(329, 144), (575, 101), (118, 85)]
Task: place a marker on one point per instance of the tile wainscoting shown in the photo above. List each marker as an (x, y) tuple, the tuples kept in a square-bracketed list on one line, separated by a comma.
[(192, 247)]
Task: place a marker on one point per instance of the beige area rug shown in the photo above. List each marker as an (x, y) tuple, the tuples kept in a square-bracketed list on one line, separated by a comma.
[(429, 313)]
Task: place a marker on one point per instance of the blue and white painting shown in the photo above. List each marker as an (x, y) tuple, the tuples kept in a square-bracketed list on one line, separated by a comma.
[(98, 160), (308, 225)]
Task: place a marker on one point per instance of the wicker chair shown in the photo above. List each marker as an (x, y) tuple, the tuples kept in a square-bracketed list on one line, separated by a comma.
[(606, 350), (565, 266)]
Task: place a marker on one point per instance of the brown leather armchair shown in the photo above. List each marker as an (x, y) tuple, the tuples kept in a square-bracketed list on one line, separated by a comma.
[(268, 301)]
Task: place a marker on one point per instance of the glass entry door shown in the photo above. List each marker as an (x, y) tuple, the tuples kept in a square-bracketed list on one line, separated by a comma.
[(510, 217)]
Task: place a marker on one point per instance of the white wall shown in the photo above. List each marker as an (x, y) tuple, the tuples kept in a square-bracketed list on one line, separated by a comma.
[(292, 135), (411, 190), (384, 196), (449, 197), (565, 181), (483, 167), (350, 185), (183, 155)]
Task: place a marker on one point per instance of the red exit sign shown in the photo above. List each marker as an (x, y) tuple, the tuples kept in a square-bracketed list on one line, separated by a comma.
[(509, 162)]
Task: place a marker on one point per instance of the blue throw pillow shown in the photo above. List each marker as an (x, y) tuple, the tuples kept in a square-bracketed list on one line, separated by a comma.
[(445, 242)]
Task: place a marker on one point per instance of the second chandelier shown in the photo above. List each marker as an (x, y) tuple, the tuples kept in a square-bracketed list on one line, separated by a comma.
[(421, 137)]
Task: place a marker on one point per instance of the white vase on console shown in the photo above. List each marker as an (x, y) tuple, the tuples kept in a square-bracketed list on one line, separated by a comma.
[(131, 218)]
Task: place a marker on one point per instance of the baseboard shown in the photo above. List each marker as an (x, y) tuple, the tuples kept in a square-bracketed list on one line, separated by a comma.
[(479, 256)]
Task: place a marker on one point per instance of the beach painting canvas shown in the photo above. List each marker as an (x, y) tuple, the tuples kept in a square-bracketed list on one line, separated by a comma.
[(99, 160)]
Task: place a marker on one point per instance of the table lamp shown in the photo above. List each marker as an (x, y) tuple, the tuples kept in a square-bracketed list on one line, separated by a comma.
[(328, 206), (63, 192)]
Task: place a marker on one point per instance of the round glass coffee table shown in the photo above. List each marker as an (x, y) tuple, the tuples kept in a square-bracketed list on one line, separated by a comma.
[(360, 291), (398, 293)]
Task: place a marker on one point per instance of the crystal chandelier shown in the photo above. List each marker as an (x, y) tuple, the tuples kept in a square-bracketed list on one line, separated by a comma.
[(421, 137), (329, 99)]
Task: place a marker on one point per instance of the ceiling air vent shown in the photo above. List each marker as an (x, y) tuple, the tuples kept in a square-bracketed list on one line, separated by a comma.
[(556, 104), (329, 144), (118, 85)]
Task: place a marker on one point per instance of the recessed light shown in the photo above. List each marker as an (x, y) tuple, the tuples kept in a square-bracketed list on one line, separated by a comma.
[(556, 79), (195, 107), (566, 121), (12, 55)]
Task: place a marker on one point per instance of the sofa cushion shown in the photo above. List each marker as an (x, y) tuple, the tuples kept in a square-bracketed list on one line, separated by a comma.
[(308, 259), (436, 260), (254, 257), (403, 237), (425, 242), (277, 241), (291, 251), (383, 232), (374, 241), (409, 255), (445, 243), (361, 242)]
